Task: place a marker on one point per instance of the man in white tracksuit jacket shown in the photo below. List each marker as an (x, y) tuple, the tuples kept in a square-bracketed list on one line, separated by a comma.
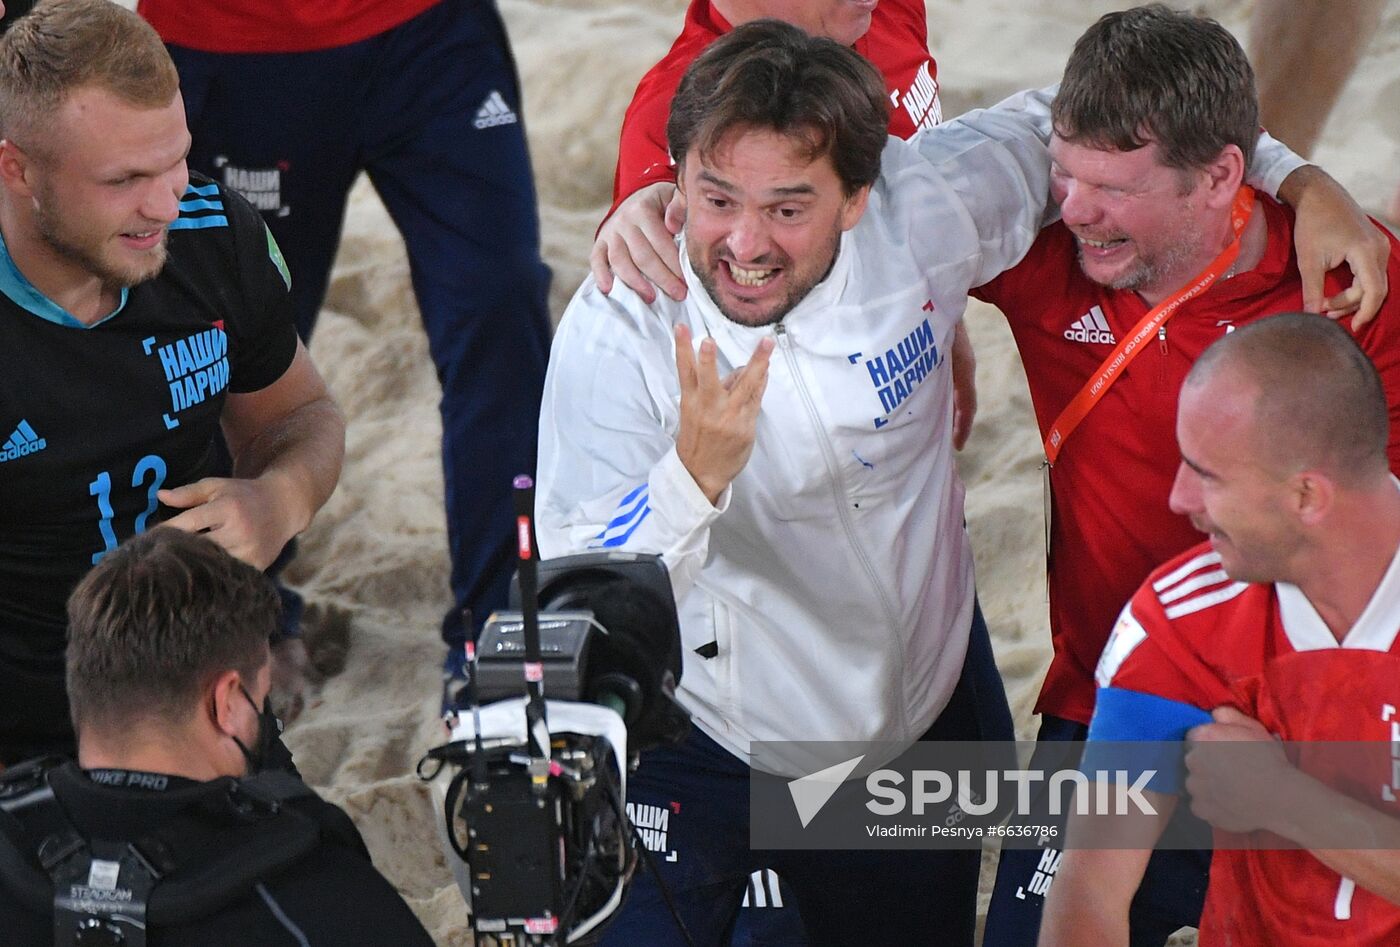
[(824, 582), (833, 577), (795, 472)]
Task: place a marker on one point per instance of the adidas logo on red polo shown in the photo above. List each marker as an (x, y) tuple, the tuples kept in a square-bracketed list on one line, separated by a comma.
[(1093, 328)]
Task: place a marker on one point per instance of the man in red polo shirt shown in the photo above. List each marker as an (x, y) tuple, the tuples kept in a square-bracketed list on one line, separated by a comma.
[(1154, 123)]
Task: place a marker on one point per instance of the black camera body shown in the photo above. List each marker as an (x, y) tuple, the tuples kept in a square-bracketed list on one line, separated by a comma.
[(540, 857), (545, 847)]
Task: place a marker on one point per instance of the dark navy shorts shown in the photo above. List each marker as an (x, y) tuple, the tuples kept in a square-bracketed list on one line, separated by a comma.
[(692, 805)]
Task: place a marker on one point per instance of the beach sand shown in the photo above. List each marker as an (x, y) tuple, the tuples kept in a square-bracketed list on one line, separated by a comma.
[(378, 549)]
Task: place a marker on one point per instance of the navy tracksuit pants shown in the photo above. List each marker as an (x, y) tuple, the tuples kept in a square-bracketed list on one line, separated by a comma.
[(431, 111), (692, 803)]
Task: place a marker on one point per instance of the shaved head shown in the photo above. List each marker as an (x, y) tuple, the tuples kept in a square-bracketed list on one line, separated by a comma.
[(1317, 404)]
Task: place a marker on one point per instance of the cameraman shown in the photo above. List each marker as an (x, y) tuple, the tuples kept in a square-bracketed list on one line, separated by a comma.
[(168, 675)]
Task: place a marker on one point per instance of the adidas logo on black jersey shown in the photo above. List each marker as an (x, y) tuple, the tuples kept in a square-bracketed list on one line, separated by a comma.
[(1092, 327), (494, 111), (21, 443)]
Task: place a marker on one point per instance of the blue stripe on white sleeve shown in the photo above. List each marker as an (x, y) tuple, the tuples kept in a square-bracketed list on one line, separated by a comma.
[(633, 495), (621, 527), (627, 515), (619, 540)]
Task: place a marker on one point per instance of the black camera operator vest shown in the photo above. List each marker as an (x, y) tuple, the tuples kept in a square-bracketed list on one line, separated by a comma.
[(223, 837)]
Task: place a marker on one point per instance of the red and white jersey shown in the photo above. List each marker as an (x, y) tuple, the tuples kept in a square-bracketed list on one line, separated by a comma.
[(1110, 524), (1198, 639), (274, 26), (897, 44)]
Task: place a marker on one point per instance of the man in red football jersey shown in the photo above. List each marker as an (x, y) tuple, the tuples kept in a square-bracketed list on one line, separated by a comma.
[(1284, 625)]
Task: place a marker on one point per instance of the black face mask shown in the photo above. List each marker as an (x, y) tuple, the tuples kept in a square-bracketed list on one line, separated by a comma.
[(269, 731)]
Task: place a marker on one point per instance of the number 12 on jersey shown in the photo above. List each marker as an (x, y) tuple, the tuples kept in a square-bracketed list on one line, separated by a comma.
[(150, 466)]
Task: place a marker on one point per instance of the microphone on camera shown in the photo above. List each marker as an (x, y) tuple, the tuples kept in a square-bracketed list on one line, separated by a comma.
[(536, 723)]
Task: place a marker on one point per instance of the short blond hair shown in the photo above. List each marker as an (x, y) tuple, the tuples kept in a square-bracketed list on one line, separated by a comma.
[(63, 45)]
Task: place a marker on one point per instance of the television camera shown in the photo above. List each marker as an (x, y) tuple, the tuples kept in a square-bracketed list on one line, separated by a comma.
[(531, 788)]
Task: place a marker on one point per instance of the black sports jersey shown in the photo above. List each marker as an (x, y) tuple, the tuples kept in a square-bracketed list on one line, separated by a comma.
[(94, 420)]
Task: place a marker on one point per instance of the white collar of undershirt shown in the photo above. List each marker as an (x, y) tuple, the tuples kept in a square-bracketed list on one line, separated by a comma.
[(1375, 630)]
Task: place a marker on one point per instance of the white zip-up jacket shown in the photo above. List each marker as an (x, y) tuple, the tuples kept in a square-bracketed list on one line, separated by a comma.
[(829, 595)]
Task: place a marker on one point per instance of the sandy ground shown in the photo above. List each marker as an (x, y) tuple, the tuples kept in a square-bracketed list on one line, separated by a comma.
[(379, 549)]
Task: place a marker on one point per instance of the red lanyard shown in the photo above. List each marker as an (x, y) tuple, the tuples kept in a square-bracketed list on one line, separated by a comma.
[(1132, 346)]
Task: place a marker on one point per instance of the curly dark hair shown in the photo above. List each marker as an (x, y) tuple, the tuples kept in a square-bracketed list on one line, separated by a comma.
[(770, 75)]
